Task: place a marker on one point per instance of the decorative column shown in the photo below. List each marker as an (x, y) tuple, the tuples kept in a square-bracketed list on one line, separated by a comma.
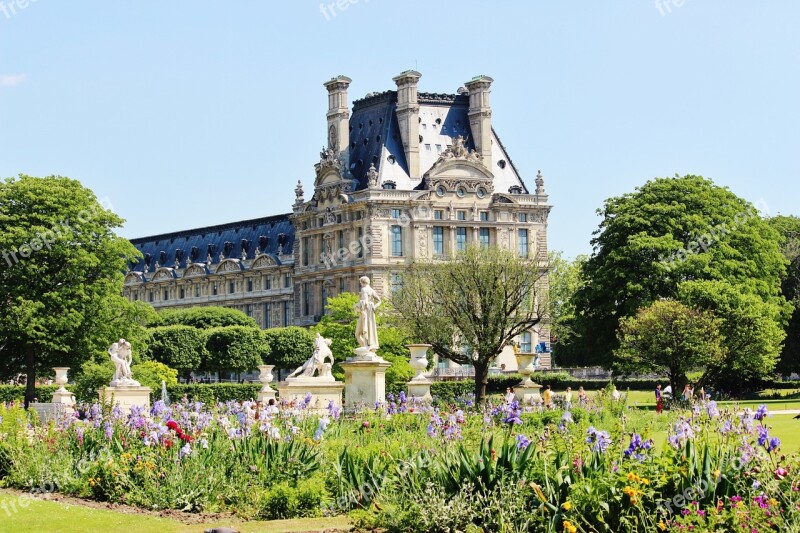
[(62, 395), (265, 377), (419, 387)]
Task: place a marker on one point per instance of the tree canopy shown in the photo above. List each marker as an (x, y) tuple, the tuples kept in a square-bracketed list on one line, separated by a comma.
[(564, 281), (472, 307), (789, 229), (180, 347), (667, 232), (204, 318), (237, 348), (61, 277), (669, 337), (289, 347)]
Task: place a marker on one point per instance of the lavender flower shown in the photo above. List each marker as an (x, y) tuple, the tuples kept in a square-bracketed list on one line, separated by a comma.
[(600, 440), (762, 412), (522, 442)]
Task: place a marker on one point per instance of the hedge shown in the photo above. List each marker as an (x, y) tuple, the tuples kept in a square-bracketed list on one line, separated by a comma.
[(12, 393), (210, 393)]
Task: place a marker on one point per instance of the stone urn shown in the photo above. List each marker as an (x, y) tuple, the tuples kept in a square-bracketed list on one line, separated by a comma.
[(419, 360), (61, 377), (526, 368), (265, 377)]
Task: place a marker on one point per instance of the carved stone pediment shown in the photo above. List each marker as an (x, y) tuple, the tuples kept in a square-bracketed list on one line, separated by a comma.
[(503, 199), (134, 278), (264, 261), (195, 269), (458, 152), (163, 274), (229, 265)]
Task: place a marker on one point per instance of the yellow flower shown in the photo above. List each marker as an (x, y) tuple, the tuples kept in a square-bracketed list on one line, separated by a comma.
[(567, 506), (645, 481), (662, 526), (633, 500), (569, 527), (717, 473), (632, 476), (773, 502)]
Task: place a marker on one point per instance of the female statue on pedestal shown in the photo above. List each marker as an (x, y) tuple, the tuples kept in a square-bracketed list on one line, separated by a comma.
[(367, 326)]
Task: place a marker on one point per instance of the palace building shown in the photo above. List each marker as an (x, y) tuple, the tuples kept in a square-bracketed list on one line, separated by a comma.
[(405, 176)]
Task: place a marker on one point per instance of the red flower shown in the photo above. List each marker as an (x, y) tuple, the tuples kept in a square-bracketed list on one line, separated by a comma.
[(172, 425)]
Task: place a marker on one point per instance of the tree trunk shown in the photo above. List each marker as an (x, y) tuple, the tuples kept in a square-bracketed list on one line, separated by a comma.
[(481, 380), (30, 372)]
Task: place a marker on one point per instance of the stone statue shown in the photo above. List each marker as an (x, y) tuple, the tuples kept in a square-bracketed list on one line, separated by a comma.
[(121, 356), (317, 363), (367, 326)]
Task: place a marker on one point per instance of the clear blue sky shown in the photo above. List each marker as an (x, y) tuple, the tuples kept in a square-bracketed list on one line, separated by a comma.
[(163, 106)]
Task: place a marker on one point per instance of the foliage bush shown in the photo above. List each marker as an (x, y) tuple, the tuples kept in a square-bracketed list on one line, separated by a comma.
[(152, 374), (178, 346), (203, 318), (237, 348), (16, 393), (210, 393)]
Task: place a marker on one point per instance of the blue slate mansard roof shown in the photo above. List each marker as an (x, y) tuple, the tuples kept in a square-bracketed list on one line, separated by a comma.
[(266, 233), (375, 139)]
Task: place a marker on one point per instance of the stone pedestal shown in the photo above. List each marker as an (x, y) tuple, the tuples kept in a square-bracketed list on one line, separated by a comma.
[(323, 392), (126, 397), (528, 394), (364, 381)]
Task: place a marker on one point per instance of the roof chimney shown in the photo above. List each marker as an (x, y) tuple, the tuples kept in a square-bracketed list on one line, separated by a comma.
[(480, 116), (339, 117), (408, 118)]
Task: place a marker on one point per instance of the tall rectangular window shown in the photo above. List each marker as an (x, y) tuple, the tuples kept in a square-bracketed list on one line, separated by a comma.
[(523, 217), (438, 214), (182, 293), (341, 240), (267, 315), (231, 287), (397, 241), (341, 285), (321, 249), (197, 291), (166, 294), (395, 213), (461, 215), (484, 216), (267, 282), (360, 241), (306, 297), (522, 242), (285, 313), (461, 239), (483, 237), (287, 280), (249, 285), (151, 296), (396, 282), (525, 342), (438, 241), (248, 310), (305, 250), (215, 289)]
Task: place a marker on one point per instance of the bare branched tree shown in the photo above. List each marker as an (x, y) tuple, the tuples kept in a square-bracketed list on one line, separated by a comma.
[(482, 300)]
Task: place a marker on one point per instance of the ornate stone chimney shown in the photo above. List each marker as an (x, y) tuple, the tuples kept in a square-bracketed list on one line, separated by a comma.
[(408, 118), (480, 116), (339, 117)]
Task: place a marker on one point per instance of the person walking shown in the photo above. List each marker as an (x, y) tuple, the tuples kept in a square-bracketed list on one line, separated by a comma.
[(582, 398), (568, 398), (687, 393), (659, 399), (510, 395), (547, 397)]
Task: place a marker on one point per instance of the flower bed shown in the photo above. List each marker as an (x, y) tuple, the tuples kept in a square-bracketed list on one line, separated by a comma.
[(407, 467)]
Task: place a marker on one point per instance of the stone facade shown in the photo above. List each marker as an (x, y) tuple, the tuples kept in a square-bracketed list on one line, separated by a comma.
[(406, 176)]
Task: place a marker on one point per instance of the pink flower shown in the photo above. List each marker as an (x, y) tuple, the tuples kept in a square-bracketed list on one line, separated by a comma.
[(781, 473)]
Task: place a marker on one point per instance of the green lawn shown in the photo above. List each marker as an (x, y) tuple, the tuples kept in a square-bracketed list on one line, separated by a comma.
[(22, 514)]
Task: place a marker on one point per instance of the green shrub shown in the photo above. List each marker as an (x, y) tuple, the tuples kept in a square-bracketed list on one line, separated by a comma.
[(237, 348), (92, 376), (204, 318), (152, 373), (16, 393), (284, 500), (178, 346), (210, 393)]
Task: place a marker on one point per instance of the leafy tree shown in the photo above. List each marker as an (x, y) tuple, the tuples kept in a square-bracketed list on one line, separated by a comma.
[(180, 347), (289, 347), (204, 318), (236, 348), (669, 337), (789, 229), (669, 231), (61, 277), (751, 329), (482, 300), (564, 281)]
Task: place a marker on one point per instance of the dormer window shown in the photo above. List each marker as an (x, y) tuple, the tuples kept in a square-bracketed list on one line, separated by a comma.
[(389, 185)]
